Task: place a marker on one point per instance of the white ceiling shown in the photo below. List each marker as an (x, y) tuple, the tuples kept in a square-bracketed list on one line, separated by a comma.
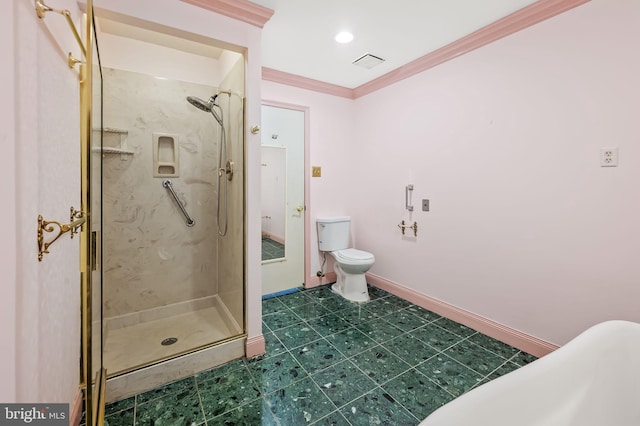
[(299, 38)]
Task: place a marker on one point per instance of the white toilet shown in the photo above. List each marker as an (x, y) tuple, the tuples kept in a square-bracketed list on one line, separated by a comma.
[(351, 264)]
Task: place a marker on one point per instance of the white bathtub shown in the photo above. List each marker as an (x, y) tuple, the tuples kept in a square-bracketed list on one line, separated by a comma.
[(594, 380)]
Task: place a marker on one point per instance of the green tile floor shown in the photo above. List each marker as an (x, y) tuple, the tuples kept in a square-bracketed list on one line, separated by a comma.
[(271, 249), (332, 362)]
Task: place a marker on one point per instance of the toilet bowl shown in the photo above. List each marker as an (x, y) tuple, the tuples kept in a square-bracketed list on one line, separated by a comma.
[(350, 264)]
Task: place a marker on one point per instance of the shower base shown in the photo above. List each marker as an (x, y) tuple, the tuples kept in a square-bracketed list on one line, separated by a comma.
[(129, 345), (147, 378)]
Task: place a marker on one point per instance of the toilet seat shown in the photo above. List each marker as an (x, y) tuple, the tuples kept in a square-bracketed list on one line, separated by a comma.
[(353, 256)]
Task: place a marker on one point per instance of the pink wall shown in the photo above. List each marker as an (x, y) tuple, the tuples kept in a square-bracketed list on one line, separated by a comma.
[(41, 321), (331, 132), (7, 215), (525, 228)]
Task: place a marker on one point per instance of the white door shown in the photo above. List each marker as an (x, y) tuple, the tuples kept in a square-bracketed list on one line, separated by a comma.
[(282, 199)]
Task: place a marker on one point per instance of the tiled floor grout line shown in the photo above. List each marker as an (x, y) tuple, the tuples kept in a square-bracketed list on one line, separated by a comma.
[(204, 415), (317, 422), (380, 386), (514, 355), (419, 372), (325, 395), (476, 371), (262, 394), (490, 373), (135, 409), (384, 390), (243, 366), (442, 353)]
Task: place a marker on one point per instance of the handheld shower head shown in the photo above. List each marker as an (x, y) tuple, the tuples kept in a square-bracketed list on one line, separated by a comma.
[(206, 106), (200, 104)]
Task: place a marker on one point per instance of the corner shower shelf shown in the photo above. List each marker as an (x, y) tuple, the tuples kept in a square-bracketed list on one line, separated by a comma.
[(119, 137)]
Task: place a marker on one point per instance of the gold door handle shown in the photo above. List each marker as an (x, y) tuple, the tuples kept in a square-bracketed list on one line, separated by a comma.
[(300, 209)]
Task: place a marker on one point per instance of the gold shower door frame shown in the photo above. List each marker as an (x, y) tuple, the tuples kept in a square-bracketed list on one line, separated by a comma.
[(95, 387), (94, 391)]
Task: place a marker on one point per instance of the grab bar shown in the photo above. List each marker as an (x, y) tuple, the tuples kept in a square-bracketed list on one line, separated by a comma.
[(407, 189), (167, 184)]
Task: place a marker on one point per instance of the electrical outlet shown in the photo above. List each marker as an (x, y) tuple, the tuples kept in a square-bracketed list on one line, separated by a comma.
[(609, 157)]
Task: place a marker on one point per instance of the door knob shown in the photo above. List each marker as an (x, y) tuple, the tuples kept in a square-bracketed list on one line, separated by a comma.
[(300, 209)]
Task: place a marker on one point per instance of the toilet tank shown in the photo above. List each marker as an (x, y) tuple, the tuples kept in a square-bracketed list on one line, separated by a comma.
[(333, 233)]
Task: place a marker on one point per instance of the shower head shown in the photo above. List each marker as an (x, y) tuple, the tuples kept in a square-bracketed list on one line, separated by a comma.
[(200, 104), (206, 106)]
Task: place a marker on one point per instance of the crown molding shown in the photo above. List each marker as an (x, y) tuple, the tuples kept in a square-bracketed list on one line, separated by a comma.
[(282, 77), (519, 20), (510, 24), (242, 10)]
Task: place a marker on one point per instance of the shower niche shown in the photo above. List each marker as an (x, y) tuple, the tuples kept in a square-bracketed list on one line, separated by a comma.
[(166, 155), (172, 295)]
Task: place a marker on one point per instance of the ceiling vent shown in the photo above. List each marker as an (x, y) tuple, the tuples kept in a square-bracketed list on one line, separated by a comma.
[(368, 61)]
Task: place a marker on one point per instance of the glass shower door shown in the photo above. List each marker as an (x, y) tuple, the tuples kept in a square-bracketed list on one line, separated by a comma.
[(172, 283)]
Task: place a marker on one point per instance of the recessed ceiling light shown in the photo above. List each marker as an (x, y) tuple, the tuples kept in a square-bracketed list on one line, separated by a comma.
[(344, 37)]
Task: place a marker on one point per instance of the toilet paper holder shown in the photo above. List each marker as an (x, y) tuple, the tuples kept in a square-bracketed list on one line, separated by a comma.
[(403, 226)]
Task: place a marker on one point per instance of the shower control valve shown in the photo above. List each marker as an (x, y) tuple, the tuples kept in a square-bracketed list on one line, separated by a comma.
[(228, 170)]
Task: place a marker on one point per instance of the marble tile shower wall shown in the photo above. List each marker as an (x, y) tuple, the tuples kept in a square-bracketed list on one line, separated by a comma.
[(151, 257), (231, 247)]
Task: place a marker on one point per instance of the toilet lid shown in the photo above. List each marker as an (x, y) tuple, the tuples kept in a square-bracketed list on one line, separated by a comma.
[(354, 254)]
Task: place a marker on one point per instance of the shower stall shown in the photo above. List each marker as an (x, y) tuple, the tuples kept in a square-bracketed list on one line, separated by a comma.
[(172, 218)]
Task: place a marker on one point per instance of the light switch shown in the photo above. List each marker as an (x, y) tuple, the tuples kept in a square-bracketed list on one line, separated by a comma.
[(316, 171)]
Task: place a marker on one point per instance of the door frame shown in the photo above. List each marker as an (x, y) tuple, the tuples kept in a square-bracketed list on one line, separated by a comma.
[(307, 170)]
